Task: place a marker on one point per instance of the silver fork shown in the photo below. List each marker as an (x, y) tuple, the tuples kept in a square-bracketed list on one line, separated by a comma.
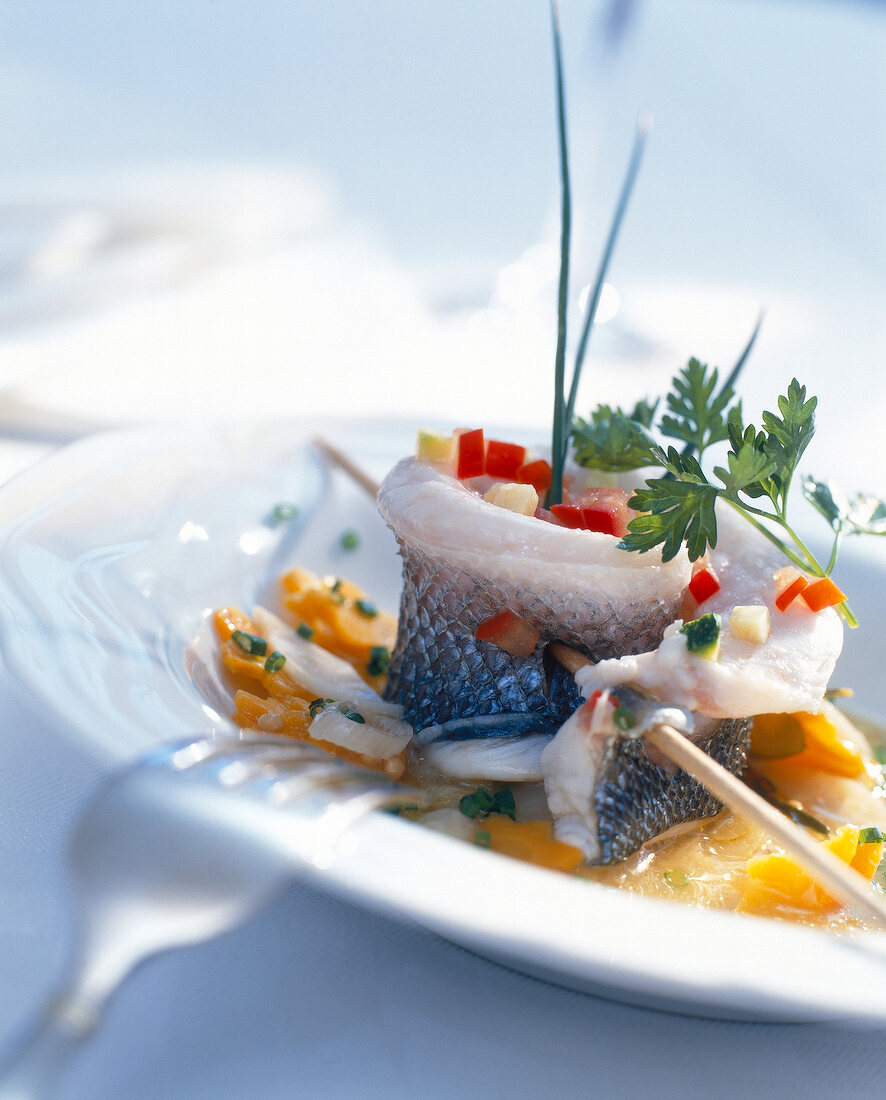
[(184, 845)]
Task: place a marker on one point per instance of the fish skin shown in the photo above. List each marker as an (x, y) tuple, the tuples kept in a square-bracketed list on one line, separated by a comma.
[(440, 671), (637, 800)]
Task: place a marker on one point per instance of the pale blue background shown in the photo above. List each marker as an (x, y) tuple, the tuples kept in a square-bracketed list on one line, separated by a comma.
[(435, 120)]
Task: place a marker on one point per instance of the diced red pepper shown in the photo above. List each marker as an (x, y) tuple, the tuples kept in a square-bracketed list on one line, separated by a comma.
[(569, 515), (599, 519), (594, 698), (822, 593), (509, 632), (537, 474), (606, 501), (602, 510), (504, 459), (471, 454), (784, 599), (704, 584)]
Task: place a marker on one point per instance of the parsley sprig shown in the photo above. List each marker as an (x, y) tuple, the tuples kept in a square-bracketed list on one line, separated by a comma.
[(679, 508)]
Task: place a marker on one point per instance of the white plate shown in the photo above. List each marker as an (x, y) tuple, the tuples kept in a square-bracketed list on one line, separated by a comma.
[(114, 550)]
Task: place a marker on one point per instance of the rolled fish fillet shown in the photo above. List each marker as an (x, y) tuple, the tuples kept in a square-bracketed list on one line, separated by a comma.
[(789, 671), (465, 561)]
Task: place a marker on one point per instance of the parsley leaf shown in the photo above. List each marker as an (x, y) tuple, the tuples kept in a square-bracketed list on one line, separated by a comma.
[(697, 410), (614, 439), (674, 512), (862, 514), (748, 465), (787, 437)]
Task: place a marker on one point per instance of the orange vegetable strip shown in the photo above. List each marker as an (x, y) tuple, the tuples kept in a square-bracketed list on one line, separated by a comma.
[(784, 599), (822, 593)]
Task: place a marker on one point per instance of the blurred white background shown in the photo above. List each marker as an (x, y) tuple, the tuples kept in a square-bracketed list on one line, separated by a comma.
[(355, 205)]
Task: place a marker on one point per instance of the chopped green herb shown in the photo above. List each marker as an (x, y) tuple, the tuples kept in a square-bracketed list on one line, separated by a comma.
[(349, 540), (504, 803), (404, 808), (483, 802), (703, 635), (336, 592), (871, 835), (838, 693), (366, 608), (880, 754), (624, 718), (379, 660), (316, 705), (483, 838), (480, 802), (282, 513), (275, 662), (305, 631), (250, 643), (676, 879), (765, 788)]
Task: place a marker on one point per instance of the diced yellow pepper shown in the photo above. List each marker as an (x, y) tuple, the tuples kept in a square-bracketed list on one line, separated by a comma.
[(750, 622), (522, 499), (435, 448), (776, 879), (811, 740)]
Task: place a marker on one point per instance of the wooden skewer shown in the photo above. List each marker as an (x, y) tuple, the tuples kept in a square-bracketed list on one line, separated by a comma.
[(340, 459), (837, 877)]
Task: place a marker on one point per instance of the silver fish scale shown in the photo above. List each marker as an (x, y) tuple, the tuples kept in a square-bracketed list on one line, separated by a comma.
[(439, 671), (636, 800)]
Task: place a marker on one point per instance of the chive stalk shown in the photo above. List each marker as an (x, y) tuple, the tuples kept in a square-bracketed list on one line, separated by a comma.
[(644, 124), (559, 433)]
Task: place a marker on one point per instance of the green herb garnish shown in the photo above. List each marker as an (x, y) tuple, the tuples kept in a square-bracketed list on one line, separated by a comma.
[(250, 643), (703, 635), (676, 879), (624, 718), (482, 802), (275, 662), (871, 835), (349, 540), (483, 838), (335, 591), (317, 706), (366, 608), (305, 631), (379, 660), (679, 507), (282, 513)]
